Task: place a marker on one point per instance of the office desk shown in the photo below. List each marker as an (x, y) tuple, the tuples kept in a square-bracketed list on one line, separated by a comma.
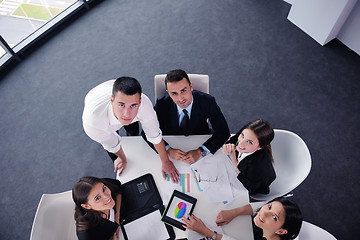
[(142, 160)]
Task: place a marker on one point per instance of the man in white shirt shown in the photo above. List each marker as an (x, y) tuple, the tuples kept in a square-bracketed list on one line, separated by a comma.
[(117, 103)]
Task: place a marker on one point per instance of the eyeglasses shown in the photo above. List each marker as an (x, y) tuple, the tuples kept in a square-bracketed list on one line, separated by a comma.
[(204, 179)]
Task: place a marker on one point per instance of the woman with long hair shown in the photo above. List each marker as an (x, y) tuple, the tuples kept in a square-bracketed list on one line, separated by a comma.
[(97, 208), (279, 219), (250, 151)]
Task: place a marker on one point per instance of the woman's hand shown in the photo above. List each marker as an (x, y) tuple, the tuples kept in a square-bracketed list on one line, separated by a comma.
[(229, 148), (224, 217), (195, 224)]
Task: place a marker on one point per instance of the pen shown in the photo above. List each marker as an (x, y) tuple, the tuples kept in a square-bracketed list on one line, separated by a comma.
[(195, 175), (196, 180), (237, 142)]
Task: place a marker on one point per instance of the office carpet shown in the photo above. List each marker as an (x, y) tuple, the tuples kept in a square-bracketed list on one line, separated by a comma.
[(260, 66)]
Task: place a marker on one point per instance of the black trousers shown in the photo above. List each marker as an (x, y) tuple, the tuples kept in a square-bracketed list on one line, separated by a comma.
[(131, 130), (147, 141)]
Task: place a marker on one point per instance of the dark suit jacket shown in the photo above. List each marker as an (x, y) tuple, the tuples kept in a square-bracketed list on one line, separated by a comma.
[(105, 229), (204, 107), (256, 170), (258, 232)]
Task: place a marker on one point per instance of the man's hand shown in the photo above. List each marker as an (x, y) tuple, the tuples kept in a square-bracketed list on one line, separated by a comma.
[(176, 154), (169, 168), (119, 164), (229, 148), (224, 217), (192, 156)]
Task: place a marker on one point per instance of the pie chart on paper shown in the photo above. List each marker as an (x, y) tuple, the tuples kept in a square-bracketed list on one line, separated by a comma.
[(180, 210)]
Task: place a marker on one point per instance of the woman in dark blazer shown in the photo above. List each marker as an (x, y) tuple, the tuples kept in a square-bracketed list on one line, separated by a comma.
[(279, 219), (97, 208), (250, 150)]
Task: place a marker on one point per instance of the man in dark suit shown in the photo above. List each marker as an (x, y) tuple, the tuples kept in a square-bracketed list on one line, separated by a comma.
[(184, 111)]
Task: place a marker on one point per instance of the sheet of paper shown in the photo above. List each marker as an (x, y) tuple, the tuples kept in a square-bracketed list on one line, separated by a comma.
[(196, 236), (236, 186), (216, 177), (184, 185), (147, 227)]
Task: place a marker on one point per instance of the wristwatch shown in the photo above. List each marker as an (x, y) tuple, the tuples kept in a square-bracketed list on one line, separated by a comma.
[(214, 236), (203, 152)]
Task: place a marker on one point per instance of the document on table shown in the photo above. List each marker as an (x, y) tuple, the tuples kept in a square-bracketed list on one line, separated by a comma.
[(197, 236), (236, 186), (213, 179), (149, 226), (217, 178), (184, 184)]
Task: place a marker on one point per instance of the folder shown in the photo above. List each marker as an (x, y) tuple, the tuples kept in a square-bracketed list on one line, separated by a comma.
[(141, 210)]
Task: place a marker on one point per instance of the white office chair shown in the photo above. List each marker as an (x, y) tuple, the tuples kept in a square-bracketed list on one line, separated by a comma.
[(292, 164), (310, 231), (54, 218), (200, 82)]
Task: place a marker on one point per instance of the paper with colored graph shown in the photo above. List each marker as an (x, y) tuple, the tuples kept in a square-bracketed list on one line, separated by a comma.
[(184, 184)]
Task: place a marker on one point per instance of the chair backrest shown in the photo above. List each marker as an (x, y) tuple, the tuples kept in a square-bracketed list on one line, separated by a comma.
[(200, 82), (310, 231), (292, 163), (54, 218)]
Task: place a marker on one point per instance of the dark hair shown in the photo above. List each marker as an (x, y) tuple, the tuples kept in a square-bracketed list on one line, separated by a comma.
[(126, 85), (176, 76), (85, 218), (293, 218), (264, 133)]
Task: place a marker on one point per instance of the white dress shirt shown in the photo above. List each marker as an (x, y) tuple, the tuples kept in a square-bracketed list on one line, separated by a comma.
[(112, 215), (243, 155), (100, 123)]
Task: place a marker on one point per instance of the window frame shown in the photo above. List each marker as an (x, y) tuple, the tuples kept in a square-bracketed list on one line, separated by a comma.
[(14, 54)]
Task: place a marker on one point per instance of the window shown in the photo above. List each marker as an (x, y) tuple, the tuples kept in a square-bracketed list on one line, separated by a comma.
[(23, 22)]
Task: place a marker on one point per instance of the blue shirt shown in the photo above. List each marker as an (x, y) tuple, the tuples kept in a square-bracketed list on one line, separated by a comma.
[(181, 114)]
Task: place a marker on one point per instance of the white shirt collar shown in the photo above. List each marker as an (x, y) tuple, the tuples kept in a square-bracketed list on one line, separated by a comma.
[(244, 155)]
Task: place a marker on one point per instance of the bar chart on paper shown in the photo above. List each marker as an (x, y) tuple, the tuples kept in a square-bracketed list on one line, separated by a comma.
[(184, 183)]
